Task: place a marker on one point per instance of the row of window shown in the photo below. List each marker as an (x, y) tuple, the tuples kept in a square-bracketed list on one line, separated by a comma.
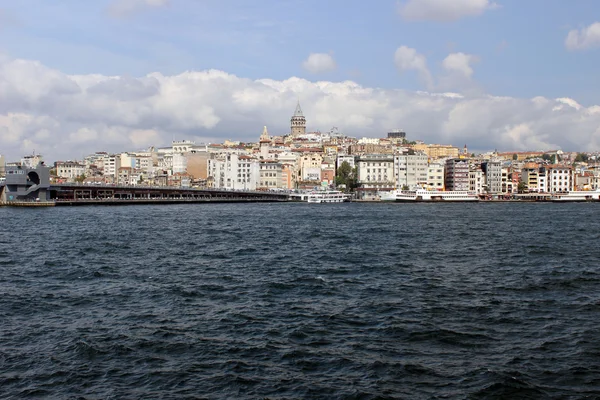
[(385, 178)]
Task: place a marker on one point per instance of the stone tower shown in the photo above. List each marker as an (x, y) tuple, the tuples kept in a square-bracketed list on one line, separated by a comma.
[(298, 122)]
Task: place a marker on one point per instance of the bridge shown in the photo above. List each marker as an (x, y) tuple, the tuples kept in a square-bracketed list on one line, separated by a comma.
[(76, 194)]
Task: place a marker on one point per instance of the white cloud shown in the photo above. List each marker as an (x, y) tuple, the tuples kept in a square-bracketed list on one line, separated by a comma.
[(585, 38), (68, 116), (460, 63), (121, 8), (443, 10), (407, 58), (319, 62)]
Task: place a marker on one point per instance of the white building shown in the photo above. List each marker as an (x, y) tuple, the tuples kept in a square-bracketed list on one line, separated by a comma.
[(179, 163), (111, 164), (435, 176), (477, 180), (542, 180), (270, 175), (560, 178), (69, 169), (410, 170), (375, 173), (233, 171), (345, 158), (493, 176)]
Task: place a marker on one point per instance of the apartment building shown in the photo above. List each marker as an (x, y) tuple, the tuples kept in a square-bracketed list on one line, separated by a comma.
[(410, 170), (232, 171), (456, 174), (375, 173), (435, 176), (69, 169)]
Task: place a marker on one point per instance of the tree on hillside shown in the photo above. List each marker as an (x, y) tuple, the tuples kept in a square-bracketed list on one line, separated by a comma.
[(581, 157), (346, 175), (515, 157)]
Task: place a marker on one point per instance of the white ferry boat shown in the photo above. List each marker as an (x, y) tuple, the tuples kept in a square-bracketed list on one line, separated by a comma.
[(577, 196), (327, 196), (422, 195)]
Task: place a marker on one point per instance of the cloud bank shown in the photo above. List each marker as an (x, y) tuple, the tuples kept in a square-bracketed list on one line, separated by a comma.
[(68, 116)]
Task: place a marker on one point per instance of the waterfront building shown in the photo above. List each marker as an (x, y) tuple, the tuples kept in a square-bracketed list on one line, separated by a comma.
[(529, 176), (476, 180), (23, 183), (435, 176), (375, 173), (233, 171), (543, 180), (493, 176), (69, 170), (410, 170), (507, 184), (560, 178), (456, 174), (298, 122), (270, 175)]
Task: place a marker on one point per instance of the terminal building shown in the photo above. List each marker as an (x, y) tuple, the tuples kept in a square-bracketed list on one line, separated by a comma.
[(25, 184)]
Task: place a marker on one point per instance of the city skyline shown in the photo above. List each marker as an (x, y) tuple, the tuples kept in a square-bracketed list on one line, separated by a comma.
[(78, 78)]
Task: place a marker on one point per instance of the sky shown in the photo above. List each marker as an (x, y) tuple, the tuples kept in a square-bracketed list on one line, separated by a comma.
[(120, 75)]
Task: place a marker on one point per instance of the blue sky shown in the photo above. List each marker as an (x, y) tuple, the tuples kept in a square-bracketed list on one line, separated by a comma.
[(520, 44), (514, 48)]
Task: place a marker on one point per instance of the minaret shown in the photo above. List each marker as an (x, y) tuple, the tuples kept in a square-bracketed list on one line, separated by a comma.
[(298, 122), (264, 143)]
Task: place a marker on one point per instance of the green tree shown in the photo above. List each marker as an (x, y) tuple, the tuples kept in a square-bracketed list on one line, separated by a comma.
[(522, 187), (515, 157), (346, 175), (581, 157), (80, 178)]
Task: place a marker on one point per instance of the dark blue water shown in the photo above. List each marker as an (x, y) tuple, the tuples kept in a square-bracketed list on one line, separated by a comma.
[(359, 301)]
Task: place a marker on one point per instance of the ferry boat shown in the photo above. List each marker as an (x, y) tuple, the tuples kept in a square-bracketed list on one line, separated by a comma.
[(422, 195), (327, 196), (577, 196)]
